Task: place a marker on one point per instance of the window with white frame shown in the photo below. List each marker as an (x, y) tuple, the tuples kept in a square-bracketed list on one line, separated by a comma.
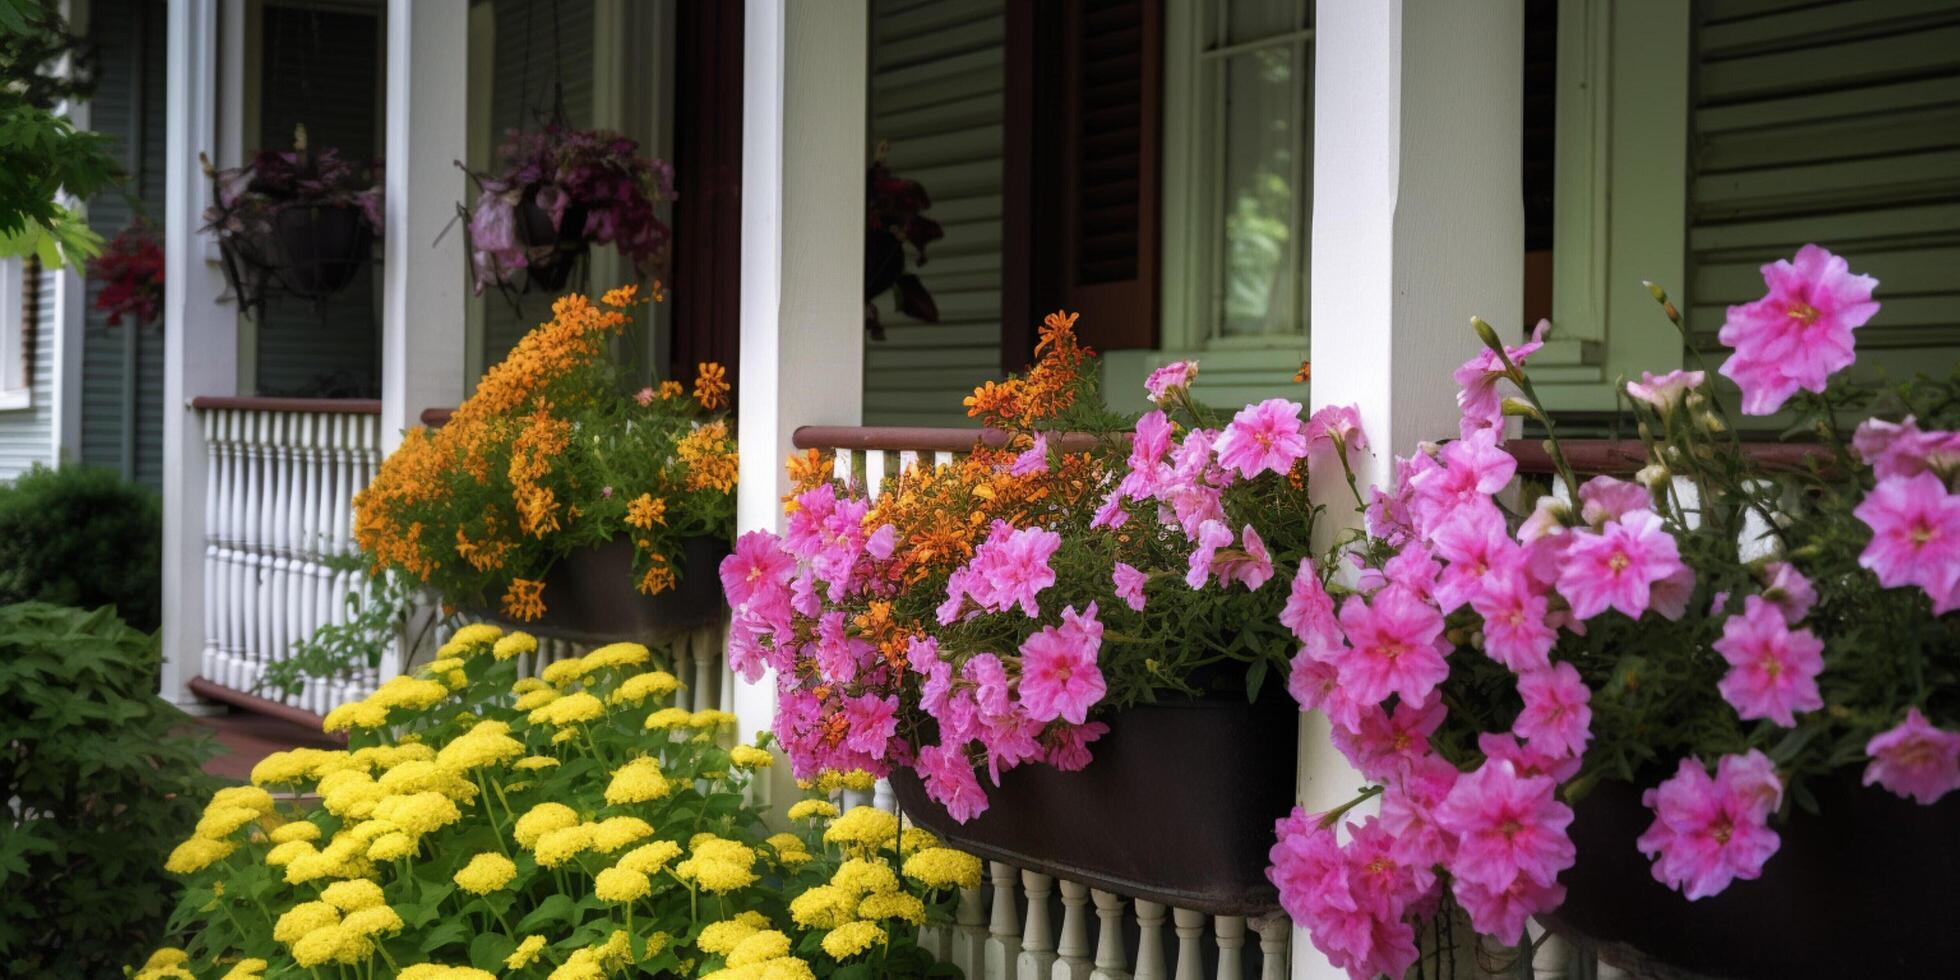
[(16, 378), (1251, 175)]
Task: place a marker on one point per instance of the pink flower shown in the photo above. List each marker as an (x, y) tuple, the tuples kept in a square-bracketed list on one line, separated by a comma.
[(1665, 391), (1309, 611), (1801, 332), (1398, 647), (1708, 832), (881, 542), (1351, 900), (1507, 827), (1212, 536), (1914, 759), (1391, 516), (1032, 460), (1409, 805), (1059, 676), (1129, 585), (1111, 514), (1384, 743), (1263, 438), (874, 720), (1616, 567), (1500, 913), (1516, 633), (1009, 568), (1337, 429), (1901, 449), (1527, 760), (1557, 718), (1482, 404), (1772, 670), (1250, 566), (1316, 685), (1068, 745), (1603, 499), (1473, 468), (1788, 590), (1476, 545), (758, 567), (1170, 378), (950, 781), (1915, 536)]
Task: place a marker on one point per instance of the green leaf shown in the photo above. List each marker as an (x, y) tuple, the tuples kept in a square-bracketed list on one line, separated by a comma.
[(555, 908), (487, 951), (445, 932), (1255, 677)]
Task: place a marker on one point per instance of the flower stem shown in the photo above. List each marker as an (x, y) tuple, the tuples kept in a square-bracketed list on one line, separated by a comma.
[(1329, 818)]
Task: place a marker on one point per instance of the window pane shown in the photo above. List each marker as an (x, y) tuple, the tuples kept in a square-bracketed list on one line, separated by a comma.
[(1249, 20), (1259, 265)]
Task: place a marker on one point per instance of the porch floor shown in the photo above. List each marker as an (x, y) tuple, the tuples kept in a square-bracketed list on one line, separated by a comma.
[(244, 738)]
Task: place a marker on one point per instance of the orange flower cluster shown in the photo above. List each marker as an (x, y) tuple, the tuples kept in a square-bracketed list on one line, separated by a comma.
[(712, 463), (1050, 386)]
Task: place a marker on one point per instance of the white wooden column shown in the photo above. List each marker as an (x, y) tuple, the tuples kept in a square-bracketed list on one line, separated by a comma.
[(1417, 225), (200, 338), (423, 324), (803, 158)]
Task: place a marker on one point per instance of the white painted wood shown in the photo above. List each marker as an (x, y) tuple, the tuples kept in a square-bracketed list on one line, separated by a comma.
[(1190, 927), (874, 472), (1417, 121), (1004, 939), (969, 934), (1275, 931), (423, 324), (1112, 962), (1229, 931), (1150, 941), (1072, 960), (802, 311), (1037, 959)]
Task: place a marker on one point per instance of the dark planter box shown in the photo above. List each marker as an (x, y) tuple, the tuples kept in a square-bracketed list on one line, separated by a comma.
[(1865, 888), (568, 242), (589, 595), (324, 248), (1177, 806)]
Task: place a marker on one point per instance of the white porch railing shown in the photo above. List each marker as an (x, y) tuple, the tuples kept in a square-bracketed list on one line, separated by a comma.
[(282, 474)]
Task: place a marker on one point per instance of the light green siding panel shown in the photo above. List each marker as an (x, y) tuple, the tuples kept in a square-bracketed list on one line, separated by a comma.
[(27, 435)]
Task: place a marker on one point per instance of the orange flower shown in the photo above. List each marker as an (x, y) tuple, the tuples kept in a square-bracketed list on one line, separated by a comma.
[(659, 577), (710, 459), (711, 385), (1305, 374), (646, 510), (670, 390), (807, 469), (524, 600)]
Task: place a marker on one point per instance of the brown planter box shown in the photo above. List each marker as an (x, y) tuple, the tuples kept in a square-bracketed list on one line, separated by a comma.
[(1865, 888), (589, 595), (1177, 806)]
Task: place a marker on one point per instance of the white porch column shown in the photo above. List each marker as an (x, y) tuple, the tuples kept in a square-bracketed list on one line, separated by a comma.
[(423, 326), (803, 160), (1417, 225), (200, 337)]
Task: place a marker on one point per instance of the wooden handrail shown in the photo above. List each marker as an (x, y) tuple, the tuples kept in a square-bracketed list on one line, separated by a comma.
[(240, 403), (435, 417), (917, 439), (1593, 457)]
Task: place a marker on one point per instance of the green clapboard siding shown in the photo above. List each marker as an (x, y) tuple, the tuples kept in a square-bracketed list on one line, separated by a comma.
[(1835, 123), (937, 71)]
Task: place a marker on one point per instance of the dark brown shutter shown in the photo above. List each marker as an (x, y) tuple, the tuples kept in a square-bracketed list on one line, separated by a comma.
[(707, 257), (1112, 81)]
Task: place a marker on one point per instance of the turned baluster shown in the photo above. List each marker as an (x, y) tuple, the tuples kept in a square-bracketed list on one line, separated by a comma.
[(1037, 959), (1190, 944), (1229, 930), (1004, 941), (1275, 934), (1112, 963), (213, 533), (1150, 941), (970, 933), (1072, 953)]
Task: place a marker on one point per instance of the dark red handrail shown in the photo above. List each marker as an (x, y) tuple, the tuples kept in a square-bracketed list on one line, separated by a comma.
[(240, 403)]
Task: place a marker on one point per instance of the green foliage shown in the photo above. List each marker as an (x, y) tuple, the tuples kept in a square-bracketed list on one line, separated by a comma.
[(42, 155), (82, 536), (102, 783)]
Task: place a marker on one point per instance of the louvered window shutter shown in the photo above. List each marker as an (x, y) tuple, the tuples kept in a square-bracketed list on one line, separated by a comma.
[(707, 253), (1112, 78)]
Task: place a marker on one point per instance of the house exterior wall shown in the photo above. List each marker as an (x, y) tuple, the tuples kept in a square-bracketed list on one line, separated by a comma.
[(27, 434)]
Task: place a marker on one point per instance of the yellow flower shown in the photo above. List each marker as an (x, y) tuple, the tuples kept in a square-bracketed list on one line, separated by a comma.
[(196, 854), (718, 866), (477, 634), (284, 852), (248, 968), (404, 691), (711, 385), (893, 905), (859, 876), (391, 846), (373, 921), (166, 957), (650, 857), (437, 971), (515, 644), (355, 714), (541, 820), (646, 510), (535, 699), (478, 748), (863, 825), (617, 655), (812, 810), (562, 672), (823, 907), (298, 830), (639, 687), (319, 946), (352, 896), (572, 709), (303, 918), (561, 845), (668, 718), (852, 938), (220, 822), (532, 763), (750, 758), (526, 952), (485, 873), (759, 947), (943, 867), (418, 813), (613, 833), (915, 839), (248, 797), (721, 938), (637, 782), (619, 885)]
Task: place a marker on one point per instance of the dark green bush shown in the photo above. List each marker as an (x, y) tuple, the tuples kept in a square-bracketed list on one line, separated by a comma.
[(82, 536), (103, 780)]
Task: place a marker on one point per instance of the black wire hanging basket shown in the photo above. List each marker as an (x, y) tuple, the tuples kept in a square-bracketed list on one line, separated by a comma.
[(293, 222)]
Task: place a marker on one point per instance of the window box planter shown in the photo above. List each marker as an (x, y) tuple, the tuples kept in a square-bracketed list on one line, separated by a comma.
[(589, 595)]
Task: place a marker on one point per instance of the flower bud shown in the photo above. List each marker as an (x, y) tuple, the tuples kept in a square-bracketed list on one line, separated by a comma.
[(1519, 408), (1654, 475), (1713, 423), (1486, 333), (1646, 433)]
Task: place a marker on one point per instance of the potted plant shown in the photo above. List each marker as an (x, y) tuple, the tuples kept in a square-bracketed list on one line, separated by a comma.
[(130, 270), (1733, 676), (300, 219), (1030, 641), (895, 218), (561, 497), (560, 192)]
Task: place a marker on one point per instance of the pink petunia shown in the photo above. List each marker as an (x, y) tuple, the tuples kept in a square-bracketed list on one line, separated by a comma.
[(1336, 429), (1500, 913), (1309, 611), (1169, 379), (1033, 460), (1708, 832), (1059, 676), (1772, 668), (881, 542), (1475, 544), (1480, 401), (1250, 565), (1385, 742), (1316, 685), (1409, 812), (1664, 392), (1507, 827), (1557, 716), (1901, 449), (1603, 499), (1068, 745), (1915, 536), (1211, 536), (1398, 647), (1914, 759), (1788, 590), (1009, 568), (1517, 633), (873, 722), (950, 781), (1527, 760), (758, 567), (1129, 584), (1263, 438), (1617, 567), (1473, 468), (1799, 334)]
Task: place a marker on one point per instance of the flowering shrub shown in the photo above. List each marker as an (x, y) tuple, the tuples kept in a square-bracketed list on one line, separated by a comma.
[(568, 826), (551, 455), (980, 613), (1724, 631), (592, 178), (131, 272)]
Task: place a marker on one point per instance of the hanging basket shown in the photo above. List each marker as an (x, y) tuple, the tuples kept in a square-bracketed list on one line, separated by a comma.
[(321, 248), (1177, 806), (1866, 887), (554, 254), (589, 595)]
